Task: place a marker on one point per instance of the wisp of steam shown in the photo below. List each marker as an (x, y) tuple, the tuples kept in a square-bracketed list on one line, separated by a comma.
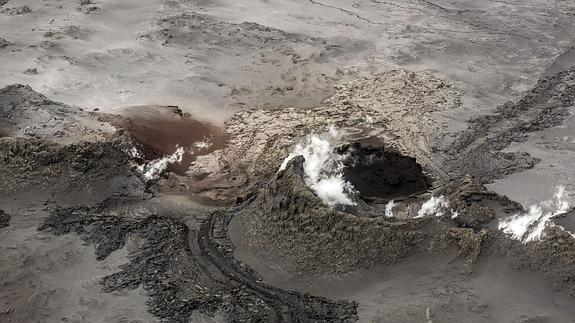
[(389, 209), (530, 226), (323, 168), (155, 168), (433, 206)]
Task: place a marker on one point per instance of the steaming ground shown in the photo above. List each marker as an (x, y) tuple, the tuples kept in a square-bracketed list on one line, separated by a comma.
[(324, 168), (168, 208)]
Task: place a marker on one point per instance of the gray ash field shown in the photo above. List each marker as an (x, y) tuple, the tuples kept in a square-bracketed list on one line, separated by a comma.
[(293, 161)]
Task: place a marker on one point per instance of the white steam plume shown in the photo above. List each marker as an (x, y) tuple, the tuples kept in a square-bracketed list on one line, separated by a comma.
[(203, 144), (389, 209), (155, 168), (433, 206), (323, 168), (530, 226)]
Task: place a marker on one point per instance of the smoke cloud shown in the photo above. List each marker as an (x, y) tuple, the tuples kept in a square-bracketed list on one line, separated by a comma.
[(323, 168)]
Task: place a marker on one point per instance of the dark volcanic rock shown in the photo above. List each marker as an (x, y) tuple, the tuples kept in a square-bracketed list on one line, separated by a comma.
[(4, 219), (164, 241)]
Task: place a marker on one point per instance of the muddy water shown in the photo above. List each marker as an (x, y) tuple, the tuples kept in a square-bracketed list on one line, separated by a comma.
[(162, 129)]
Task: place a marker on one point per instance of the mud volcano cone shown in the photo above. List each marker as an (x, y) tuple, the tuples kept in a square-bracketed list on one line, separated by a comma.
[(288, 219)]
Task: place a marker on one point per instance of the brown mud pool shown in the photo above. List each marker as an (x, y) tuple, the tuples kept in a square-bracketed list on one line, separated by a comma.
[(160, 130)]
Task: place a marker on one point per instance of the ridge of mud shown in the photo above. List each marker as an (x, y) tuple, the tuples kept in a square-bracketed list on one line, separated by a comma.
[(479, 149), (28, 113), (84, 166), (194, 28)]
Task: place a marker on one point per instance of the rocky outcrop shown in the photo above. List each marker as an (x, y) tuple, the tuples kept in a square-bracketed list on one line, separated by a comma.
[(15, 11), (554, 255), (4, 43), (476, 205)]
